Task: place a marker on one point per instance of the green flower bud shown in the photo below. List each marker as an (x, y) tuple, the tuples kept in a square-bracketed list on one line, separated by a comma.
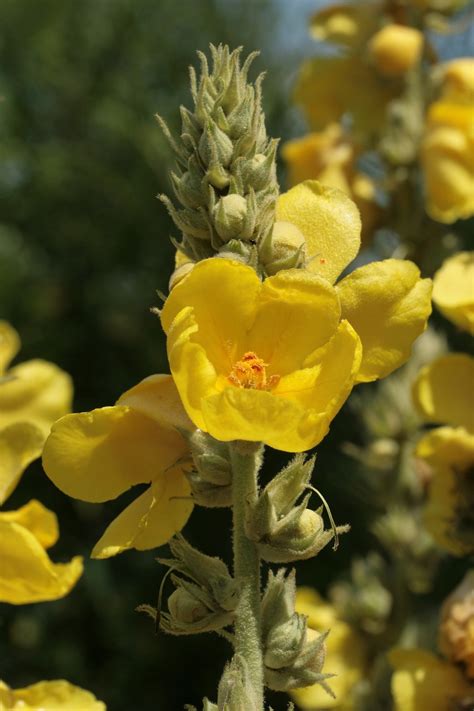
[(229, 216), (179, 273), (184, 608), (235, 692), (285, 249)]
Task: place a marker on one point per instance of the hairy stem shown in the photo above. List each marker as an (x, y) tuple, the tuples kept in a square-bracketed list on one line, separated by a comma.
[(246, 461)]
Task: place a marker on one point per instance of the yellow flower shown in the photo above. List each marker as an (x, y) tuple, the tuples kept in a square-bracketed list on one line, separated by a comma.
[(458, 80), (443, 392), (447, 151), (346, 655), (329, 157), (422, 682), (250, 358), (453, 290), (58, 695), (95, 456), (32, 396), (26, 572), (395, 49), (346, 24), (330, 87)]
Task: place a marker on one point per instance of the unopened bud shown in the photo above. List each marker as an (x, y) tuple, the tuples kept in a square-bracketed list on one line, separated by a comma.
[(286, 248), (229, 216), (185, 608), (179, 274), (395, 49)]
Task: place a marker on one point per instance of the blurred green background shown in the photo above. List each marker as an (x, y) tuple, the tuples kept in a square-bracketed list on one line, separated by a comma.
[(83, 247)]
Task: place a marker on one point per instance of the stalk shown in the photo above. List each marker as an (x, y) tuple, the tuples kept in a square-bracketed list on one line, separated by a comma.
[(246, 460)]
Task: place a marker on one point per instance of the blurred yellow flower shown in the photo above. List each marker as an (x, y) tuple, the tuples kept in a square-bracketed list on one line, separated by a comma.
[(26, 572), (346, 655), (453, 290), (444, 389), (329, 157), (349, 24), (443, 392), (422, 682), (32, 396), (96, 456), (395, 49), (58, 695), (456, 630), (327, 88), (447, 151), (249, 358)]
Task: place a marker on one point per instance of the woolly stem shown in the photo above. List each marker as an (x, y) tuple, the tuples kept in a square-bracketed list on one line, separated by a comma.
[(246, 460)]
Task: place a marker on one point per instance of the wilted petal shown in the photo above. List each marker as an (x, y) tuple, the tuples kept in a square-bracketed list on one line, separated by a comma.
[(152, 519), (388, 305), (329, 221), (26, 572), (20, 444), (444, 390)]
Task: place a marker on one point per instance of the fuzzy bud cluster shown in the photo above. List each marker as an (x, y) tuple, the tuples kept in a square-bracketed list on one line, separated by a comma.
[(205, 598), (284, 529), (293, 654), (225, 182), (211, 476)]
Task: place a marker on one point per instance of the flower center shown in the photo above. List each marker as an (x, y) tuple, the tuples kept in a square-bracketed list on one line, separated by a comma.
[(250, 372)]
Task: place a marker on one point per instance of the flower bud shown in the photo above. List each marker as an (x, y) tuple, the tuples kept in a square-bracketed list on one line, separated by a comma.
[(215, 146), (395, 49), (179, 274), (235, 692), (286, 248), (185, 608), (229, 215), (211, 476), (456, 632)]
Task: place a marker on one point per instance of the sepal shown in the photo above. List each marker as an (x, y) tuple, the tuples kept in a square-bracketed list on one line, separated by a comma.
[(211, 476)]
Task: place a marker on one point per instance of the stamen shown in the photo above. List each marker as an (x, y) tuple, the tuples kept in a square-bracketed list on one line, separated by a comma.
[(250, 372)]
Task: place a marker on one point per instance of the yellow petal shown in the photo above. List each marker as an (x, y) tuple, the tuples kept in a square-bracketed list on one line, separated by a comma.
[(325, 384), (453, 290), (39, 392), (152, 519), (297, 313), (39, 520), (26, 572), (158, 398), (9, 345), (95, 456), (421, 681), (395, 49), (57, 695), (448, 446), (223, 295), (330, 223), (20, 444), (388, 305), (444, 390), (338, 23), (193, 373)]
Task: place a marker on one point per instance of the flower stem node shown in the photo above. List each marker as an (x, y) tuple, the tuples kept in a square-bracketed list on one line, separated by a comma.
[(293, 654), (211, 476), (204, 600), (284, 529)]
